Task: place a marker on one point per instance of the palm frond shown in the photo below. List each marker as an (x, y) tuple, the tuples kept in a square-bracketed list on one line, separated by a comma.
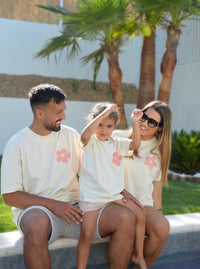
[(108, 21), (130, 28), (190, 10), (59, 43), (94, 17), (147, 6), (161, 12), (97, 58), (54, 8)]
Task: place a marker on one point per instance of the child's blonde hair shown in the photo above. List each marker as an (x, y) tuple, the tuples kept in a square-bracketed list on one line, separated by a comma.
[(99, 108)]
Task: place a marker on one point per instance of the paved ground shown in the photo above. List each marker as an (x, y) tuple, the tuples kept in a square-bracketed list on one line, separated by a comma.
[(174, 261), (178, 261)]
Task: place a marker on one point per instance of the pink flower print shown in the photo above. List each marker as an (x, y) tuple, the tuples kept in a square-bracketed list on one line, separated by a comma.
[(116, 158), (63, 155), (150, 162)]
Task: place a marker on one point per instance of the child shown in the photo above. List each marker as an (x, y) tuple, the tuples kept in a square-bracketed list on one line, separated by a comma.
[(102, 176)]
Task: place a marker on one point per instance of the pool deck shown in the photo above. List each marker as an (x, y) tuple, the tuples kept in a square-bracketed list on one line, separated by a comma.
[(184, 236)]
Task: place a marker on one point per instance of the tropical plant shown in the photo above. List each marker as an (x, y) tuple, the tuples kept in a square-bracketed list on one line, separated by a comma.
[(188, 10), (146, 91), (185, 157), (112, 23), (166, 15)]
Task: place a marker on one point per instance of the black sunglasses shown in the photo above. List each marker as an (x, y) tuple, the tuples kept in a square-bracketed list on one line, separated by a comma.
[(151, 122)]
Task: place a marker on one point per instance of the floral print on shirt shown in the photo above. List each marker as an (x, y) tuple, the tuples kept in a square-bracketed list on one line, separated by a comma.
[(150, 161), (63, 155), (117, 158)]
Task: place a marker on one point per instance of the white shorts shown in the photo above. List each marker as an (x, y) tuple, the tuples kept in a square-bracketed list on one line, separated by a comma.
[(88, 206), (60, 227)]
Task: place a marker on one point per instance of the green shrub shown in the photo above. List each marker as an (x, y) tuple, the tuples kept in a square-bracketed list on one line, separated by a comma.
[(185, 157)]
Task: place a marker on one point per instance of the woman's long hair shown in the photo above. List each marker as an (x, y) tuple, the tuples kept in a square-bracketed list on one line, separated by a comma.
[(163, 136)]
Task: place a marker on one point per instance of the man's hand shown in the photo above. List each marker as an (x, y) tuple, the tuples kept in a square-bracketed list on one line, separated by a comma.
[(67, 211), (64, 210), (128, 196)]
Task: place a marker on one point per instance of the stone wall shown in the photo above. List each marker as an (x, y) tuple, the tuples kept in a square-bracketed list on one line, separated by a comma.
[(76, 90)]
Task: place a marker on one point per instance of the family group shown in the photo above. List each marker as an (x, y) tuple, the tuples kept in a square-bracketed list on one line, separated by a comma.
[(103, 182)]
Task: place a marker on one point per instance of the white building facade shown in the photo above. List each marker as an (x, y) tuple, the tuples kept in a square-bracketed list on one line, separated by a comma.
[(20, 41)]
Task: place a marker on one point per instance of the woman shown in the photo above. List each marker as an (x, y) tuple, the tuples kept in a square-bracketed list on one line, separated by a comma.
[(146, 171)]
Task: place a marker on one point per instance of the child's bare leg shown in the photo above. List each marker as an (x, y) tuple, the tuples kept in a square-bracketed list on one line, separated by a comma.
[(86, 238), (137, 257)]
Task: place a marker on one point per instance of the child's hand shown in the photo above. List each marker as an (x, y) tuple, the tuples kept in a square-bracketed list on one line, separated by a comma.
[(110, 108), (137, 114)]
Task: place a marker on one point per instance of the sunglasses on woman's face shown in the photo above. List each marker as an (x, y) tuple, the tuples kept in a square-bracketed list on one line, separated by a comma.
[(151, 122)]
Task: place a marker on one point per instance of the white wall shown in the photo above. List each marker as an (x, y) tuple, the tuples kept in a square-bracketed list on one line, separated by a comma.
[(16, 114), (20, 41), (185, 97)]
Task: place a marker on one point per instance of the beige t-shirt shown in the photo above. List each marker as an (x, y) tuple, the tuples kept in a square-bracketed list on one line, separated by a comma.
[(102, 174), (141, 172), (46, 166)]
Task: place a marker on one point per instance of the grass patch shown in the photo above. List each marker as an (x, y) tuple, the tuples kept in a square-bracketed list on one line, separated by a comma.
[(6, 223), (181, 197)]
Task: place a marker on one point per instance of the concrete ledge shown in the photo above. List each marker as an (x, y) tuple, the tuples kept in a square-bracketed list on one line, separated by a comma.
[(184, 236), (11, 243), (182, 223), (184, 177)]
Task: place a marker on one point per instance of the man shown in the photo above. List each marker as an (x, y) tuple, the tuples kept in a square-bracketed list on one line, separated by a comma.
[(39, 180)]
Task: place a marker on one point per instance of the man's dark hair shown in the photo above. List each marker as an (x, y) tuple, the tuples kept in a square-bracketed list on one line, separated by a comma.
[(42, 94)]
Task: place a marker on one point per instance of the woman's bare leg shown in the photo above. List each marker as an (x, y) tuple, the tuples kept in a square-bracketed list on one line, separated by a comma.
[(157, 231), (86, 238)]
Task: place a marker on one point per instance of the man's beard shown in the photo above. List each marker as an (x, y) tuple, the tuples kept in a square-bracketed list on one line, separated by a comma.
[(52, 127)]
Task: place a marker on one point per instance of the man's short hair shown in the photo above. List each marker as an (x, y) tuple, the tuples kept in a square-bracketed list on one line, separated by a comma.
[(44, 93)]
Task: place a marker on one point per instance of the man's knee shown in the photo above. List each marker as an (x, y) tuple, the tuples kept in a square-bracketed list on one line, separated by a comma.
[(36, 227), (127, 219), (115, 218)]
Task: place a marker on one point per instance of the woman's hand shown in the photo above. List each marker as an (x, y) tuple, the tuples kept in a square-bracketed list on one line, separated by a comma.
[(128, 196)]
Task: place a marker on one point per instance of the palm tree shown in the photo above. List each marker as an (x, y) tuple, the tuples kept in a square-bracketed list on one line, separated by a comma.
[(111, 22), (173, 28), (153, 12), (146, 91)]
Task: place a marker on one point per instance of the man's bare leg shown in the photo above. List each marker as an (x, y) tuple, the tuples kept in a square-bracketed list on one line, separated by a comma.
[(36, 227), (157, 231), (119, 222)]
